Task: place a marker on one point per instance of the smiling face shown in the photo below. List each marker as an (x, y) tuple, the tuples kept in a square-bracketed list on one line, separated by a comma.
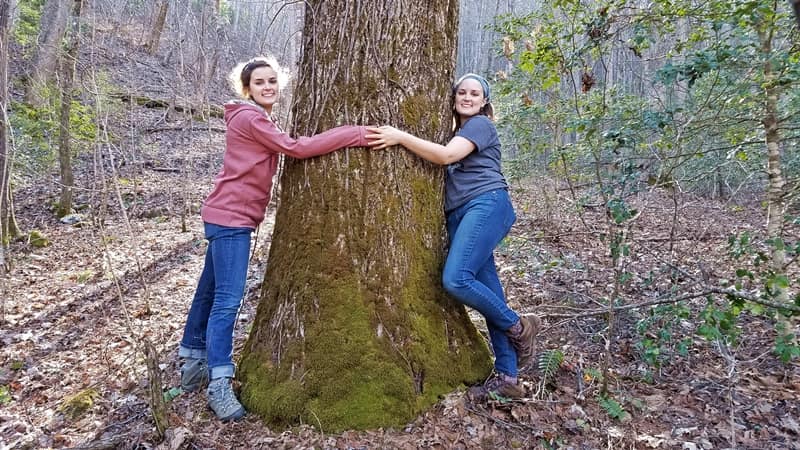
[(469, 98), (263, 87)]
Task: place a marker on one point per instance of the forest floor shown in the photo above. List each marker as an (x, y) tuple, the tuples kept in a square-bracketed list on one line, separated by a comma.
[(74, 314)]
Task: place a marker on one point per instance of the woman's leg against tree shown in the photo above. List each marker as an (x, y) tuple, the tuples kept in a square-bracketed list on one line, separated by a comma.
[(475, 229), (504, 354)]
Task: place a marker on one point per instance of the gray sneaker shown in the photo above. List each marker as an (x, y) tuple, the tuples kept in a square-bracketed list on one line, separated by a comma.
[(194, 374), (223, 401)]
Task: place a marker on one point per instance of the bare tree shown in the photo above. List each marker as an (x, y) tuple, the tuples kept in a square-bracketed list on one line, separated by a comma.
[(52, 26), (477, 46), (68, 65), (213, 35), (158, 27), (776, 183), (8, 225), (354, 329)]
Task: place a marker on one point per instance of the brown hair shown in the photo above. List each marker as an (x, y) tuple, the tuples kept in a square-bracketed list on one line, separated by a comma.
[(239, 77), (486, 110)]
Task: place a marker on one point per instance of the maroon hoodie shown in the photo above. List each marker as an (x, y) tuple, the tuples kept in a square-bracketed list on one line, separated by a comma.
[(252, 144)]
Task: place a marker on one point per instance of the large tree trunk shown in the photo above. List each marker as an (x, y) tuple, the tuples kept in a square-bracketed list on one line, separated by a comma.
[(8, 225), (52, 26), (68, 65), (353, 329)]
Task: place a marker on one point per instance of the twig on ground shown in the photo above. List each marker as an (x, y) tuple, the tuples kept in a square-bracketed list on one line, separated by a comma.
[(709, 290), (103, 444), (519, 426)]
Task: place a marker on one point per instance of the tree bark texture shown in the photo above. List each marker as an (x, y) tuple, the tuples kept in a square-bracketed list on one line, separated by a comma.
[(8, 224), (775, 181), (353, 329), (52, 26), (68, 66), (776, 205), (158, 27)]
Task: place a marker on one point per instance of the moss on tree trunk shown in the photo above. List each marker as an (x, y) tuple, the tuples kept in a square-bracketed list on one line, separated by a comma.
[(353, 329)]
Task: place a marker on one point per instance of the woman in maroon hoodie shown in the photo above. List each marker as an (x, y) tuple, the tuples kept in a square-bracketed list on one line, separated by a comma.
[(231, 212)]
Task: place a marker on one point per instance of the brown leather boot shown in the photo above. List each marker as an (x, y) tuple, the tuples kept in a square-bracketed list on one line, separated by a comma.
[(524, 341), (498, 387)]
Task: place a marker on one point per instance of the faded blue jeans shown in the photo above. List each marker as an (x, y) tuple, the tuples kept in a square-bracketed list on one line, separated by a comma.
[(212, 316), (470, 274)]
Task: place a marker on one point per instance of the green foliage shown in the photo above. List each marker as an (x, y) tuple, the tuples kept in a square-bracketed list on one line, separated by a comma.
[(83, 276), (36, 131), (26, 27), (37, 239), (719, 322), (75, 406), (549, 363), (592, 373), (553, 443), (696, 65), (5, 395), (659, 333), (619, 210), (785, 346), (695, 123), (612, 407), (82, 124), (226, 12), (699, 125), (758, 270)]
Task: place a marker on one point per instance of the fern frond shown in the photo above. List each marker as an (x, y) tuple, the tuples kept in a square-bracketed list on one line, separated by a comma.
[(550, 361), (612, 407)]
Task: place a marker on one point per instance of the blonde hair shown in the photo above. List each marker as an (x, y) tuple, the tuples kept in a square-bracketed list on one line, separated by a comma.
[(239, 77)]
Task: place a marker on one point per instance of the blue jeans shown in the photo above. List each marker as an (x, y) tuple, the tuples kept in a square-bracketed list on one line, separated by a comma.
[(209, 325), (470, 274)]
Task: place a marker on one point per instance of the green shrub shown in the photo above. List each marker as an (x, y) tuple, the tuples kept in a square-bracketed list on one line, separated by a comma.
[(36, 131), (26, 28)]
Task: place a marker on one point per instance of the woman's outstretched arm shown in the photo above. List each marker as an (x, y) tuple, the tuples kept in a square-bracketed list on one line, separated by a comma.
[(266, 133), (455, 150)]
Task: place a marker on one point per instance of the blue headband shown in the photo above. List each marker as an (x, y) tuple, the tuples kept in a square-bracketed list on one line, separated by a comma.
[(479, 79)]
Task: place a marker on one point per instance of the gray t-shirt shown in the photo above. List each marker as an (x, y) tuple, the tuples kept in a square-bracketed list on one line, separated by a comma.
[(479, 171)]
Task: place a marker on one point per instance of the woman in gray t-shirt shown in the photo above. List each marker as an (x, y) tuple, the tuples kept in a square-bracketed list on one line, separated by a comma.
[(479, 215)]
